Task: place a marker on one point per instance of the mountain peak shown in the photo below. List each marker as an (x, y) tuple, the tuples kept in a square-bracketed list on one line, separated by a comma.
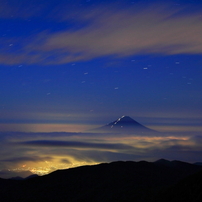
[(124, 124), (121, 120)]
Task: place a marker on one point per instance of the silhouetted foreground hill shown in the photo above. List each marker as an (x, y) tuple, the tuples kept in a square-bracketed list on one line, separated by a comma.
[(116, 181), (189, 189)]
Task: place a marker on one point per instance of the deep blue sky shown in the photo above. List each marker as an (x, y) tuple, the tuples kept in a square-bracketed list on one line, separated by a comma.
[(89, 62)]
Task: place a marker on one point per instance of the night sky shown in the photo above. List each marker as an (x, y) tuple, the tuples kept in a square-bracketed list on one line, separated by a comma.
[(69, 66)]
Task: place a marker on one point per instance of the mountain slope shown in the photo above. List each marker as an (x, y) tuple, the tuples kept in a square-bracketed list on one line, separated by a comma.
[(188, 189), (124, 124), (116, 181)]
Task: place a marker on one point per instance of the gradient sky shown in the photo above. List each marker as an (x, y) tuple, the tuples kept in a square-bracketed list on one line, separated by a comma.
[(74, 65)]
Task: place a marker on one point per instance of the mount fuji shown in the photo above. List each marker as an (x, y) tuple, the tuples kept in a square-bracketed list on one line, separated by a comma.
[(124, 124)]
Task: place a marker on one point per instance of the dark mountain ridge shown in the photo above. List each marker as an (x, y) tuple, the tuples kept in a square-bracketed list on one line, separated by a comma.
[(116, 181)]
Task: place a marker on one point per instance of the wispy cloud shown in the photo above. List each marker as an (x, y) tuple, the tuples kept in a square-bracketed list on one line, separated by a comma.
[(123, 33), (27, 159), (42, 127), (155, 29), (76, 144)]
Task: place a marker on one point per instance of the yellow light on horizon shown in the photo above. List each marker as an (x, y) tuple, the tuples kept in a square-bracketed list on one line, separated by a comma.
[(40, 127)]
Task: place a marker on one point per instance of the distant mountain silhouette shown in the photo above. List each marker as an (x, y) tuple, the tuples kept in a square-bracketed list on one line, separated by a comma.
[(124, 124), (16, 178), (11, 174), (108, 182), (198, 163), (21, 178)]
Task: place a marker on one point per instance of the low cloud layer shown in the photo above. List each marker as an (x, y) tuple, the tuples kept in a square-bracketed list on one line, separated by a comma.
[(42, 153), (110, 31), (36, 149), (74, 144)]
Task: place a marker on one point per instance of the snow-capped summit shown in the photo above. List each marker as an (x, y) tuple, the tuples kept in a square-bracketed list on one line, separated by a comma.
[(124, 124)]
